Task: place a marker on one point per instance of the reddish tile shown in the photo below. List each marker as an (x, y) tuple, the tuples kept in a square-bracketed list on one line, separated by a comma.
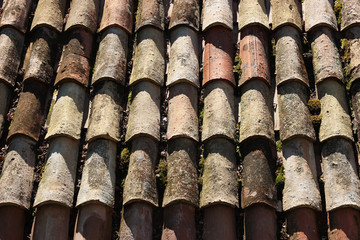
[(150, 13), (219, 222), (15, 13), (344, 224), (118, 13), (12, 222), (260, 223), (302, 224)]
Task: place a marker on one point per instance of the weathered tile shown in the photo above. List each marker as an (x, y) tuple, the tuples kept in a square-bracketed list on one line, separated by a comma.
[(84, 14), (111, 57), (350, 14), (259, 160), (289, 61), (57, 183), (185, 12), (334, 110), (219, 119), (342, 186), (218, 55), (252, 13), (98, 176), (184, 57), (67, 114), (29, 113), (182, 185), (286, 12), (344, 223), (140, 182), (41, 61), (16, 181), (49, 13), (149, 61), (79, 42), (106, 113), (353, 37), (260, 221), (182, 113), (118, 13), (355, 100), (319, 13), (150, 13), (144, 116), (326, 59), (5, 95), (294, 114), (302, 223), (11, 45), (217, 13), (301, 185), (254, 55), (15, 13), (256, 111), (219, 178)]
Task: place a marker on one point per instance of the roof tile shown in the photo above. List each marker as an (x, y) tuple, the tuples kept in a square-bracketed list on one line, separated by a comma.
[(353, 35), (185, 12), (350, 14), (252, 13), (286, 12), (150, 13), (117, 13), (15, 13), (5, 93), (217, 13), (49, 13), (84, 14), (319, 13)]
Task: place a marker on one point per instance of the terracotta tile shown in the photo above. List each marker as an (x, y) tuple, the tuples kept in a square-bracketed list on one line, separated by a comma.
[(254, 55), (93, 222), (256, 111), (5, 95), (106, 113), (184, 57), (252, 13), (16, 181), (179, 222), (350, 14), (217, 13), (260, 223), (301, 184), (219, 118), (355, 99), (185, 13), (182, 113), (111, 57), (98, 176), (259, 161), (182, 184), (219, 223), (79, 42), (118, 13), (335, 120), (293, 111), (344, 224), (49, 13), (67, 115), (140, 182), (15, 13), (219, 178), (302, 224), (150, 50), (30, 111), (83, 14), (285, 13), (353, 36), (288, 50), (218, 55), (319, 13), (11, 45), (340, 174), (12, 221), (150, 13), (144, 116)]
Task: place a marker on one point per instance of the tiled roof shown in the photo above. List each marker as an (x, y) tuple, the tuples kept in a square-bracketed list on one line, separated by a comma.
[(183, 119)]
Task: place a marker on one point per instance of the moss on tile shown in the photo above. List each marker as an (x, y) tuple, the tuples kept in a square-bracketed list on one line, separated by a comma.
[(161, 173), (314, 106), (337, 11), (280, 178), (237, 65), (316, 120), (279, 145)]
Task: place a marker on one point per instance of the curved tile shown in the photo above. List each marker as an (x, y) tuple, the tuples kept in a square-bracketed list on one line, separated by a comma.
[(353, 36), (15, 13), (49, 13), (185, 12), (286, 12), (217, 13), (252, 13), (150, 13), (84, 14), (350, 14), (5, 96), (318, 13), (117, 13), (184, 57)]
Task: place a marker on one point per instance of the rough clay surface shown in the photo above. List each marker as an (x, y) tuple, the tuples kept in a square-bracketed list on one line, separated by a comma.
[(15, 13), (184, 57), (5, 93), (83, 13), (182, 185), (286, 12), (256, 111), (353, 35), (57, 183), (140, 182), (350, 14), (334, 110), (144, 116), (289, 60), (98, 176), (111, 56), (185, 13), (117, 13), (342, 186), (219, 179), (294, 114), (319, 13), (252, 12), (16, 181), (150, 13), (182, 114), (149, 62), (219, 118), (49, 13), (301, 185), (67, 114), (217, 12)]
